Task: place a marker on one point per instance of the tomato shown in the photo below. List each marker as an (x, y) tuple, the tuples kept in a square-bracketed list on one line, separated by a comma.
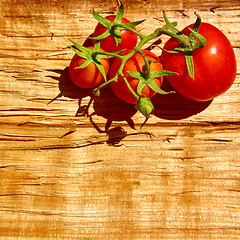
[(214, 66), (135, 63), (108, 44), (89, 76)]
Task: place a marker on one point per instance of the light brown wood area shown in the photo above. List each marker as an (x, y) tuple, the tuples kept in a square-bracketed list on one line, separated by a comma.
[(68, 175)]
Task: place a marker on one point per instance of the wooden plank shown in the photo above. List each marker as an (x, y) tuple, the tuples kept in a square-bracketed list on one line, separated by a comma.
[(66, 175)]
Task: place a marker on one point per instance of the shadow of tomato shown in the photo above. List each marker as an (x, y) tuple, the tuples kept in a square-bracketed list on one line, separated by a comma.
[(70, 90), (107, 105), (110, 107), (174, 106), (171, 106)]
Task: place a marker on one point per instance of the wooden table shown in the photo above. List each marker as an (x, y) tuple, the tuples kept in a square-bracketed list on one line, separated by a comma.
[(109, 175)]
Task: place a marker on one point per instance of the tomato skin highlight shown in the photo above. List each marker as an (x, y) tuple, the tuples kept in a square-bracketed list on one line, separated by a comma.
[(88, 77), (129, 39), (214, 66), (135, 63)]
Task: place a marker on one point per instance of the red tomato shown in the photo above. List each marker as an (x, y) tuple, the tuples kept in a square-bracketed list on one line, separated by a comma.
[(129, 39), (214, 65), (135, 63), (89, 76)]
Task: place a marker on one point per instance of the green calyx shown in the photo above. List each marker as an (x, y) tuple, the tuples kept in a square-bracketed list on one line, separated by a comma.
[(149, 81), (146, 78), (91, 56), (188, 44), (114, 28)]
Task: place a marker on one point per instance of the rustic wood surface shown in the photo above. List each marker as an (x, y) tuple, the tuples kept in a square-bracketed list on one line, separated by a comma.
[(64, 175)]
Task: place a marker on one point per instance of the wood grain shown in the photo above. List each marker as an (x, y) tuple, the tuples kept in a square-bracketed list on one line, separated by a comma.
[(110, 175)]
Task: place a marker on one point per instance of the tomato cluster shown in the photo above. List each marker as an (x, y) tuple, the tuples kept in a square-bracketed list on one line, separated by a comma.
[(117, 57)]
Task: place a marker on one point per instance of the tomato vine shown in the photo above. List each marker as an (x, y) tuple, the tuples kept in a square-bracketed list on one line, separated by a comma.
[(187, 45)]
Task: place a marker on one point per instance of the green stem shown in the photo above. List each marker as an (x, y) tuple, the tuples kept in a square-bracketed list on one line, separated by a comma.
[(97, 89), (129, 87), (130, 29), (109, 54), (180, 38), (147, 65)]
